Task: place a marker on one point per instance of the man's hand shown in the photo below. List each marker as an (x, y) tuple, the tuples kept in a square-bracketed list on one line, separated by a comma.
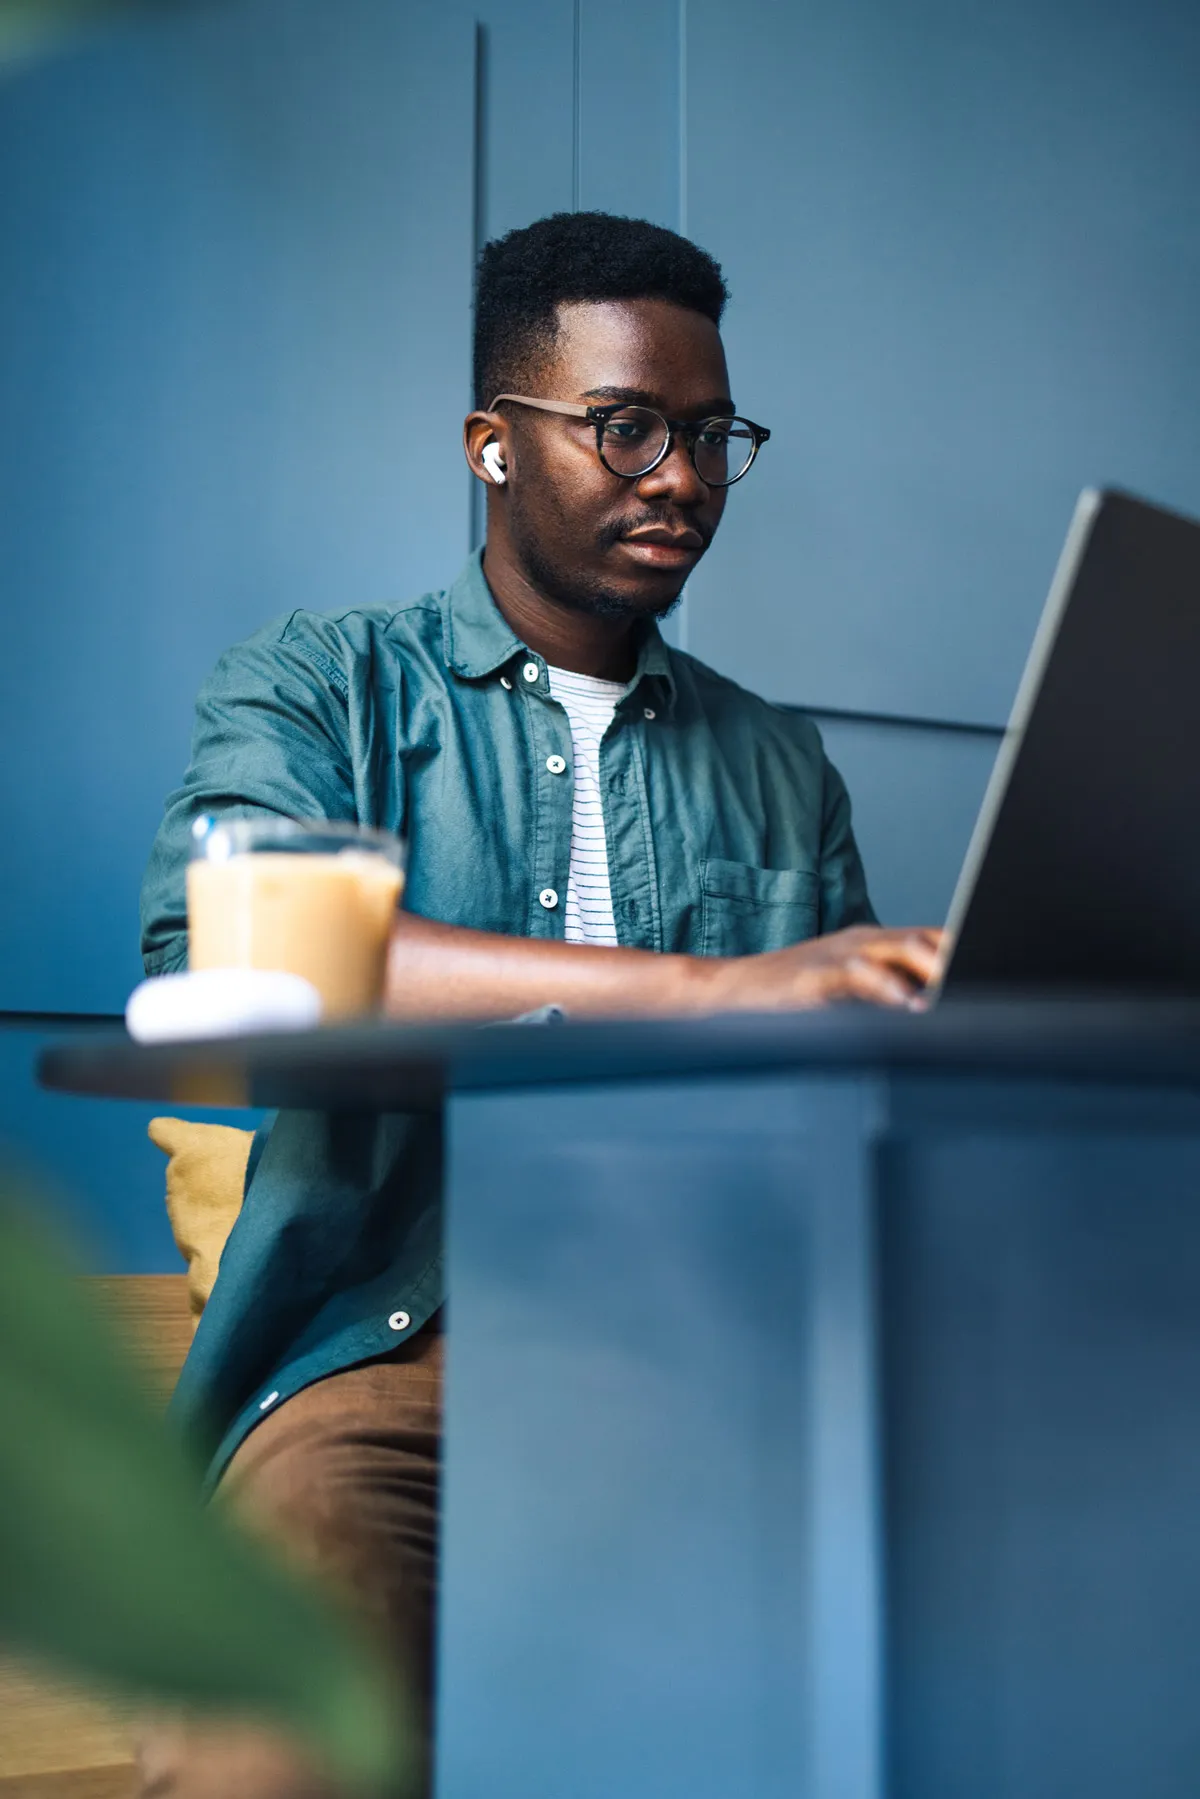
[(437, 972), (889, 968)]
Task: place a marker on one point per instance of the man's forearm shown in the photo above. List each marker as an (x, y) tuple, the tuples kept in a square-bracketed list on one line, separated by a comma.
[(440, 971)]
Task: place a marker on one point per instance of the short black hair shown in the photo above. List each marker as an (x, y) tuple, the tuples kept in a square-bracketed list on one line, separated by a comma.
[(523, 277)]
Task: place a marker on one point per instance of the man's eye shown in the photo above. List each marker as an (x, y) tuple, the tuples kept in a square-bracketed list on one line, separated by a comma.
[(716, 437), (624, 431)]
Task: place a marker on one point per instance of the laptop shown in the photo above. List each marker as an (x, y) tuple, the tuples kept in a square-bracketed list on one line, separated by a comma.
[(1083, 871)]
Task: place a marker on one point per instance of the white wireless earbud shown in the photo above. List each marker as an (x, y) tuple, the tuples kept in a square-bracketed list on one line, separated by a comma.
[(493, 462)]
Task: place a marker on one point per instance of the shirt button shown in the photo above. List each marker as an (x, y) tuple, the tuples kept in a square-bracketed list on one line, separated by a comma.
[(648, 712), (268, 1401), (506, 683), (556, 765), (548, 898), (531, 671), (399, 1321)]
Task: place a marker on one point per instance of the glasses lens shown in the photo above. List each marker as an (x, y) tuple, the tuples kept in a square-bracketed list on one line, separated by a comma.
[(723, 450), (632, 440)]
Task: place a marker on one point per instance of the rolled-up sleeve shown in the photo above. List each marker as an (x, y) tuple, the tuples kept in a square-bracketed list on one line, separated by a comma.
[(844, 897)]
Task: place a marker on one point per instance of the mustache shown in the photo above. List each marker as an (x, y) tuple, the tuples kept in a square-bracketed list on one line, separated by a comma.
[(649, 518)]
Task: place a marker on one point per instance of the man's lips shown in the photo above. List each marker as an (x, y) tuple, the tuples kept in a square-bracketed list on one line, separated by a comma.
[(664, 549)]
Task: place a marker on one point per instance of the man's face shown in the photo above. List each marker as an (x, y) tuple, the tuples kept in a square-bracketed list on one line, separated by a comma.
[(587, 538)]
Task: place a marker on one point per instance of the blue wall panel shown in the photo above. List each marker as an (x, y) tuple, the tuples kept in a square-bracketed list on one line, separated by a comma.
[(231, 384), (915, 793), (965, 254), (526, 152), (629, 108)]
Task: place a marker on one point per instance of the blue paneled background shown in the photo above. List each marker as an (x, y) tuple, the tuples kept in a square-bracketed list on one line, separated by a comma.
[(235, 246)]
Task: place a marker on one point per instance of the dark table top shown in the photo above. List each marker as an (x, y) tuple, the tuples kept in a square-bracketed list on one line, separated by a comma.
[(384, 1067)]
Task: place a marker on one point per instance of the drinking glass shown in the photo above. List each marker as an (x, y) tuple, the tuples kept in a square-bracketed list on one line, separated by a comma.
[(313, 897)]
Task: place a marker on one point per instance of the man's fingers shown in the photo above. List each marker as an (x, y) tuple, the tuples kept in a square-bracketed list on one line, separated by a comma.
[(875, 981), (933, 935), (915, 951)]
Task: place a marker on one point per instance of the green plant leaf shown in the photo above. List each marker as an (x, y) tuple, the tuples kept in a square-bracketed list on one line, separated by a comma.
[(110, 1564)]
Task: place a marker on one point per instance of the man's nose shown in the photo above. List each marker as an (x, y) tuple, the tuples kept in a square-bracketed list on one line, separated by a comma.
[(675, 478)]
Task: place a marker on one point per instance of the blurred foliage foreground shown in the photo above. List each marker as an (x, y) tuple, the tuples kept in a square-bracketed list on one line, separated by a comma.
[(32, 27), (111, 1566)]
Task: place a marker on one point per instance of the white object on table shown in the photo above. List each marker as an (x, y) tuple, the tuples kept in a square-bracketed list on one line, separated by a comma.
[(221, 1002)]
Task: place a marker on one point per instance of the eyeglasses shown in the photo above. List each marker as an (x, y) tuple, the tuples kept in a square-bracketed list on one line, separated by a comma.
[(632, 440)]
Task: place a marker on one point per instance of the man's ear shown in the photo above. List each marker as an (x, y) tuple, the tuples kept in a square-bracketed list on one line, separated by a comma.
[(486, 450)]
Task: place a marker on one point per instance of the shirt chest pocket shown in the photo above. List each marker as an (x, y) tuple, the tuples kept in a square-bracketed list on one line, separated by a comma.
[(746, 909)]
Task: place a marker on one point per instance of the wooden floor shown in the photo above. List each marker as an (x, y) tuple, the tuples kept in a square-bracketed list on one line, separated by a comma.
[(73, 1783), (55, 1741)]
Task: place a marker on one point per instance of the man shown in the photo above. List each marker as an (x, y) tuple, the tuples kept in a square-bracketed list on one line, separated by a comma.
[(594, 822)]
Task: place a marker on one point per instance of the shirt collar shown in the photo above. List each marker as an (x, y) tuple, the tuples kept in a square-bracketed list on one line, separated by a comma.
[(478, 639), (654, 664)]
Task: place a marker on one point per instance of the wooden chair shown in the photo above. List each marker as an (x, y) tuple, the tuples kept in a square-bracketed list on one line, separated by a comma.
[(55, 1741)]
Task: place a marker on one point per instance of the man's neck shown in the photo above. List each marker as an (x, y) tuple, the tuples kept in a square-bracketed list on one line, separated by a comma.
[(577, 641)]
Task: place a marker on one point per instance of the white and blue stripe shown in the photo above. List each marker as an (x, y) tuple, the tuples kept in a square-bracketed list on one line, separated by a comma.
[(589, 704)]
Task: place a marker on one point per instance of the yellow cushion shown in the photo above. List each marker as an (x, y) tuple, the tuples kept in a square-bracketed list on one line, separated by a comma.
[(206, 1173)]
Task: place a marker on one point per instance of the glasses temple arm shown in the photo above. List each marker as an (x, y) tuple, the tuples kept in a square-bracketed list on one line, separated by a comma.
[(568, 408)]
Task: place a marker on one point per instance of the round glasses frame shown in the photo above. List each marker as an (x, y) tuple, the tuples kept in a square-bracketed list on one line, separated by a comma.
[(688, 429)]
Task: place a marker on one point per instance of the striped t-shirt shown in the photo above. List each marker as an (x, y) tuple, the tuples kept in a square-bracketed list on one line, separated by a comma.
[(589, 704)]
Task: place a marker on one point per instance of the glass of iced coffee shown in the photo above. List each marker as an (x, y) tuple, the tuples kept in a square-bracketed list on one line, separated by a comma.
[(314, 898)]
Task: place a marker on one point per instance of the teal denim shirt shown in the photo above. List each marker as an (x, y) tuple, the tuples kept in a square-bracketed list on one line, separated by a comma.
[(728, 833)]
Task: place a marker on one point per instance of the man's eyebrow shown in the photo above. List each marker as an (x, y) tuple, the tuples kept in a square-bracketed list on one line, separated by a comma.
[(721, 407)]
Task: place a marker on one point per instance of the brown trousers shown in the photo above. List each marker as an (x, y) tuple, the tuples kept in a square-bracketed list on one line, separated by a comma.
[(345, 1477)]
